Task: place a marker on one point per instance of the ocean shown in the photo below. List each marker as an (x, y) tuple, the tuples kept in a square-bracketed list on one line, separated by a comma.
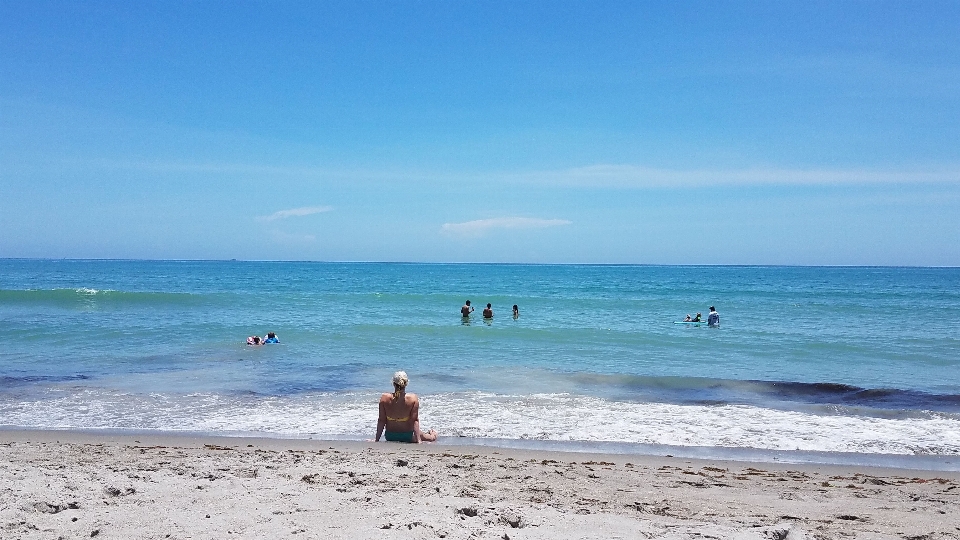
[(809, 363)]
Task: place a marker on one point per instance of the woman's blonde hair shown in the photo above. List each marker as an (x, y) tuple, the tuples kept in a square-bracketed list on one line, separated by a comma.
[(400, 381)]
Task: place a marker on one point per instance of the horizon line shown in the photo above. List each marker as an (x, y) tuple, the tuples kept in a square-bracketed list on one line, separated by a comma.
[(317, 261)]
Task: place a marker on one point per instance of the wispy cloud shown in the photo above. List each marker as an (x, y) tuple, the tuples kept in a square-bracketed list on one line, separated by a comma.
[(632, 176), (479, 227), (295, 212), (600, 175)]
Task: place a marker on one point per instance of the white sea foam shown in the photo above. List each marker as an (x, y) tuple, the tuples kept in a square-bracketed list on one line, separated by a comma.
[(569, 418), (86, 291), (556, 417)]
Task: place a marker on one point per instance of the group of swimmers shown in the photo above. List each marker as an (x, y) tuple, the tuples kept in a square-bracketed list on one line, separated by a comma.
[(257, 340), (467, 309), (713, 318)]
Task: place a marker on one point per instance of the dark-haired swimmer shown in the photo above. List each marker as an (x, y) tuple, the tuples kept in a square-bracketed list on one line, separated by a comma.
[(713, 319), (488, 312), (466, 310)]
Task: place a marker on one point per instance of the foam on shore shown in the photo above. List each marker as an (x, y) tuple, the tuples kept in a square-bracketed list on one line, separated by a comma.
[(563, 418)]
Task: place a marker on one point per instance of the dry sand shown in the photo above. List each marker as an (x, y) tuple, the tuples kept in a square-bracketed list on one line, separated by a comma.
[(75, 485)]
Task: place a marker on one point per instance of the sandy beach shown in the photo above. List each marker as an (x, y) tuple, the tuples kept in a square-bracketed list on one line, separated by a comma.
[(79, 485)]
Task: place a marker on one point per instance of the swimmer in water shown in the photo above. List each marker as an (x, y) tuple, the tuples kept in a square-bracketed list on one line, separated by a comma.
[(516, 312), (488, 312), (466, 310), (713, 319)]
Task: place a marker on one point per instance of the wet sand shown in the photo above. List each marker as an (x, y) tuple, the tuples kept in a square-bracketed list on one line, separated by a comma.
[(80, 485)]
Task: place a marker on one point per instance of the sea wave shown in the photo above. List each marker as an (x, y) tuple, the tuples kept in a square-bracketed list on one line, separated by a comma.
[(548, 417), (706, 391), (9, 381), (85, 297)]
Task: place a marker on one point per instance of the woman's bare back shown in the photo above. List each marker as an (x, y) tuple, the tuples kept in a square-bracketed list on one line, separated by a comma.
[(400, 414), (403, 415)]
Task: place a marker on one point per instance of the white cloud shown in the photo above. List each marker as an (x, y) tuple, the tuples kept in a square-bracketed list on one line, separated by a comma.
[(479, 227), (295, 212)]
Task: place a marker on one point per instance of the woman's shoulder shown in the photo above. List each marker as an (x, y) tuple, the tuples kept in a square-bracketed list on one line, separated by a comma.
[(411, 398), (386, 397)]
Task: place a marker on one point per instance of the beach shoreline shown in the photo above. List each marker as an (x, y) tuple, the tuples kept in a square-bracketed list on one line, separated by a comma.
[(914, 462), (160, 485)]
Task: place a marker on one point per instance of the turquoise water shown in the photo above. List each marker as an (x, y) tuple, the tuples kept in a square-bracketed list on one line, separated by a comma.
[(821, 359)]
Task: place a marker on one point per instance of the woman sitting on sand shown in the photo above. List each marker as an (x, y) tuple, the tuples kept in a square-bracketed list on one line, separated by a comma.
[(400, 414)]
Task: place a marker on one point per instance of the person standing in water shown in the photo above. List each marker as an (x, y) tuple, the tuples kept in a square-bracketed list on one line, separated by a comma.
[(713, 318), (466, 310), (516, 312), (488, 312)]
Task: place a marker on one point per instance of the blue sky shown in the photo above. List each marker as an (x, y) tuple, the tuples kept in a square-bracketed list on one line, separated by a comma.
[(569, 132)]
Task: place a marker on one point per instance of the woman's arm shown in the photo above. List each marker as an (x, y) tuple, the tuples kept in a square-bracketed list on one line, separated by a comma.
[(381, 421), (415, 416), (417, 433)]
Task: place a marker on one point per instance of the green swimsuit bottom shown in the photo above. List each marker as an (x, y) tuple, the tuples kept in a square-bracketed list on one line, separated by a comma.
[(401, 436)]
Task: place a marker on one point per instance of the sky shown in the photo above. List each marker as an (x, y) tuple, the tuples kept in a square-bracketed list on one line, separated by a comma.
[(808, 133)]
